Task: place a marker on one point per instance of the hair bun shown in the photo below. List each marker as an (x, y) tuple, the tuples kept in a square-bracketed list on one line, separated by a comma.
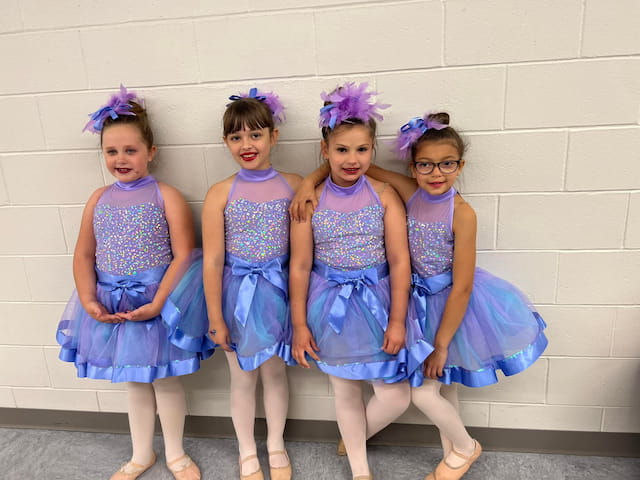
[(441, 117)]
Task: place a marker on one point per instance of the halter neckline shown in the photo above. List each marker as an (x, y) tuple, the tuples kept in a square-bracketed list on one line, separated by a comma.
[(136, 184), (345, 191), (257, 175)]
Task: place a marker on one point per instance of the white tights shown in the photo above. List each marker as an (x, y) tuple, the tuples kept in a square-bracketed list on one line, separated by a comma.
[(243, 408), (166, 395), (444, 414), (357, 422)]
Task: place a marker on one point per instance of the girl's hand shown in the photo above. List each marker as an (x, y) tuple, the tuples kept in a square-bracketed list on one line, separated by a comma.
[(434, 364), (145, 312), (298, 208), (303, 343), (394, 338), (219, 334), (100, 313)]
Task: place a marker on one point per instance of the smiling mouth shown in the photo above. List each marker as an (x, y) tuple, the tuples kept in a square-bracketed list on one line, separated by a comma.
[(247, 157), (351, 171), (123, 170)]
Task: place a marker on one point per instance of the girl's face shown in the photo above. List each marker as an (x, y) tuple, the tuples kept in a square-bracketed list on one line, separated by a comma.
[(438, 156), (251, 148), (349, 151), (126, 155)]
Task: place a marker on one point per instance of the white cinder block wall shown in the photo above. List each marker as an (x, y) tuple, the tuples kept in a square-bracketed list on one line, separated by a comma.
[(548, 93)]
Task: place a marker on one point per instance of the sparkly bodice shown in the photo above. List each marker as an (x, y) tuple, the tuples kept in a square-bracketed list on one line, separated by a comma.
[(348, 227), (130, 227), (256, 217), (430, 220)]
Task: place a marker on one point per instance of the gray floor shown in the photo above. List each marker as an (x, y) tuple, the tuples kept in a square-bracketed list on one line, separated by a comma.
[(51, 455)]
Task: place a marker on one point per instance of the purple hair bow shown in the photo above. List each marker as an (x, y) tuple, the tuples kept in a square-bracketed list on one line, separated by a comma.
[(349, 101), (269, 98), (411, 131), (117, 105)]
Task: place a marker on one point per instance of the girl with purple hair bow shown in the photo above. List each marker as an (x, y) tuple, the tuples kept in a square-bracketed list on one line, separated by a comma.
[(478, 323), (349, 279), (245, 227), (138, 313)]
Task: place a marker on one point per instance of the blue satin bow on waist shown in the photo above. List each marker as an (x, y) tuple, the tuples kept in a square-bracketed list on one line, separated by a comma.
[(350, 281), (133, 285), (423, 286), (271, 271)]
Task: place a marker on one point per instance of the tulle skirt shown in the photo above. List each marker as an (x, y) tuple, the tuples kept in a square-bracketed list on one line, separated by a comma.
[(134, 351), (500, 330), (347, 314), (255, 307)]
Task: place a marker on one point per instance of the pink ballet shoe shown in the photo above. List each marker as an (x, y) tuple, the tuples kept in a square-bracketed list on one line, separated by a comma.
[(132, 470), (341, 450), (257, 475), (280, 473), (445, 472), (183, 468)]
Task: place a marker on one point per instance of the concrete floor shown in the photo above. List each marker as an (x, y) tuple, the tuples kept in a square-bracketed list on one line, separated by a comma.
[(27, 454)]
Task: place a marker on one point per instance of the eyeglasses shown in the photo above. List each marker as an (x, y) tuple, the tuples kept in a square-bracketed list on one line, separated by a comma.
[(446, 167)]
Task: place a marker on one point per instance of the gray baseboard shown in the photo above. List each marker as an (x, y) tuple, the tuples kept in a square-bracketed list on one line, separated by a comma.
[(501, 439)]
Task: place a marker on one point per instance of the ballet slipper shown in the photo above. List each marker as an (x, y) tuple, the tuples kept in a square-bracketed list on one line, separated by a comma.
[(132, 470), (257, 475), (363, 477), (280, 473), (183, 468), (445, 472), (341, 450)]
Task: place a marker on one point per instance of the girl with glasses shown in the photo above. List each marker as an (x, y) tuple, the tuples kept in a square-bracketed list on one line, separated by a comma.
[(478, 323)]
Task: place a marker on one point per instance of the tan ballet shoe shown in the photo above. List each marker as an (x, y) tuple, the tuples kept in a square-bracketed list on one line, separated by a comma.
[(341, 450), (132, 470), (257, 475), (363, 477), (445, 472), (183, 468), (280, 473)]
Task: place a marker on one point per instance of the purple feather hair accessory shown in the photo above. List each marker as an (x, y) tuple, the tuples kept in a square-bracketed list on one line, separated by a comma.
[(117, 105), (270, 99), (411, 132), (349, 101)]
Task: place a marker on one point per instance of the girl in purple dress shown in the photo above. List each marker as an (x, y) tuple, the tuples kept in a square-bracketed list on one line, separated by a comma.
[(350, 276), (138, 290), (245, 226)]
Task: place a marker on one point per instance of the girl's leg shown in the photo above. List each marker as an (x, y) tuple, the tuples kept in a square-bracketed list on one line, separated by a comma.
[(172, 408), (142, 421), (388, 402), (243, 411), (352, 422), (449, 392), (276, 403), (443, 414)]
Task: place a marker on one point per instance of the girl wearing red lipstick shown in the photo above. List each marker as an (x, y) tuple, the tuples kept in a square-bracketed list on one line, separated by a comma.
[(245, 226), (349, 280), (138, 314), (478, 323)]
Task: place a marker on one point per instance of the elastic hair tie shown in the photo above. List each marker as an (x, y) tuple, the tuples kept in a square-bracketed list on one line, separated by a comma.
[(349, 101), (411, 132), (270, 99), (117, 105)]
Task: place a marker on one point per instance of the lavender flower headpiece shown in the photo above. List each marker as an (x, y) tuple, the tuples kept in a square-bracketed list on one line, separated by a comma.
[(270, 99), (349, 101), (117, 105), (410, 132)]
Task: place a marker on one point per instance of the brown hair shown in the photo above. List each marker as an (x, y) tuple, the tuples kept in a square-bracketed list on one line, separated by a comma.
[(246, 113), (447, 134), (348, 123), (140, 120)]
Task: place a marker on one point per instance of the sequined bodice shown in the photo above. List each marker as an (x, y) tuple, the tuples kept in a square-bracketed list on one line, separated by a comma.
[(348, 231), (256, 219), (430, 233), (131, 230)]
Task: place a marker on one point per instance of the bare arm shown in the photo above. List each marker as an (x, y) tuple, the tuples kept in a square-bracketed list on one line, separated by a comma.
[(306, 193), (464, 263), (84, 262), (405, 186), (213, 244), (299, 270), (181, 232), (397, 250)]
